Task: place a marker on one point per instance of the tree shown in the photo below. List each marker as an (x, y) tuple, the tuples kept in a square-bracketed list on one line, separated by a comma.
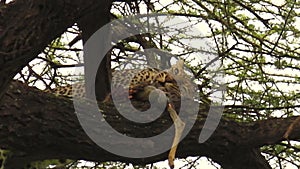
[(256, 42)]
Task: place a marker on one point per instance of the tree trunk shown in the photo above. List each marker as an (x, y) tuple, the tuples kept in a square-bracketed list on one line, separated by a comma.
[(89, 24), (28, 26)]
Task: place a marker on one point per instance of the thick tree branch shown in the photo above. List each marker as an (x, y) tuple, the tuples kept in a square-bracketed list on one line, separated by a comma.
[(35, 132)]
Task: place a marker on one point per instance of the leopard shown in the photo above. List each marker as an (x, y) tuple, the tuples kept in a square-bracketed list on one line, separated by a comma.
[(173, 83), (139, 83)]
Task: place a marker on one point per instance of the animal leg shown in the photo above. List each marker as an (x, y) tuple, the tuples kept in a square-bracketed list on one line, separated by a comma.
[(179, 127)]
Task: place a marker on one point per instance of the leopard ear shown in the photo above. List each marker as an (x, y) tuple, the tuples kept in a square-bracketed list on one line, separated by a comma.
[(180, 63)]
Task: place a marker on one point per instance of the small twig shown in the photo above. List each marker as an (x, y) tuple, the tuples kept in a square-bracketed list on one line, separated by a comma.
[(283, 29), (264, 21)]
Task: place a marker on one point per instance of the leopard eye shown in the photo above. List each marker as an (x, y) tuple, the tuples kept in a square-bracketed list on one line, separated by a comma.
[(176, 71)]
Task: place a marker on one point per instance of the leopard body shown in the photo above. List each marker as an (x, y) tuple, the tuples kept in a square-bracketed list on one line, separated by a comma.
[(136, 79)]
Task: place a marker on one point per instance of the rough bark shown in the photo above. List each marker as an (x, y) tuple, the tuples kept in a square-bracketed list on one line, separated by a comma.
[(39, 126), (89, 24), (28, 26)]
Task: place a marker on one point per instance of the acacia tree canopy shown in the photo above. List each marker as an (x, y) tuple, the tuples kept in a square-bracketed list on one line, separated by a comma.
[(257, 43)]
